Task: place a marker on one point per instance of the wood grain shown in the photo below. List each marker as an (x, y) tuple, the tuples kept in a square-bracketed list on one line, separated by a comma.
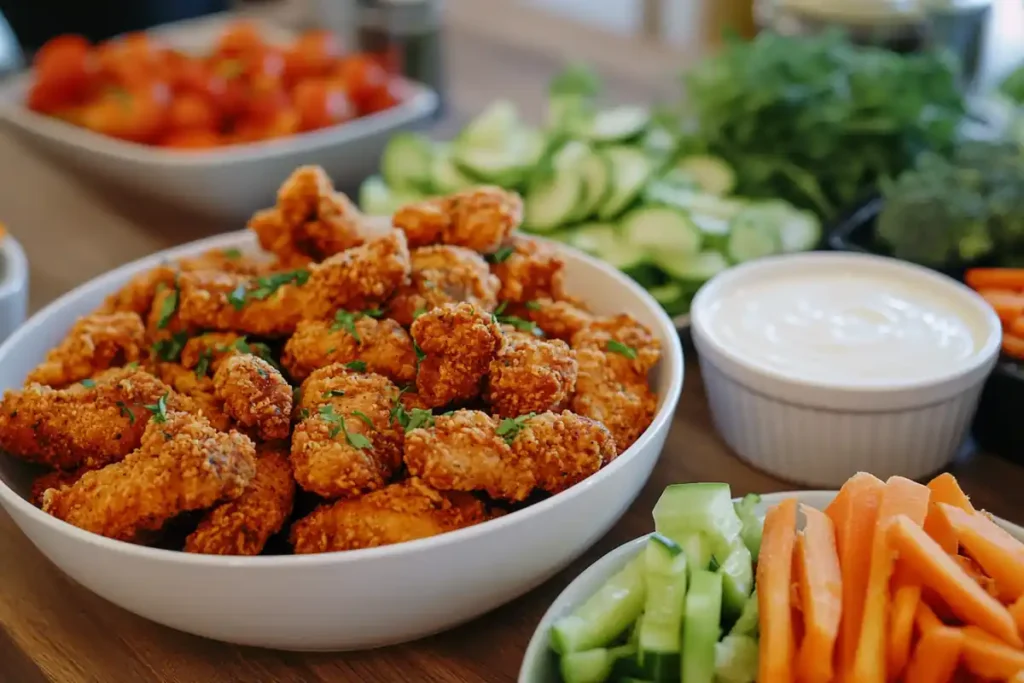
[(53, 630)]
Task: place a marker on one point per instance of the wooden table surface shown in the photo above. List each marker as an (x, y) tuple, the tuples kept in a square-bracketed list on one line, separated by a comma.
[(53, 630)]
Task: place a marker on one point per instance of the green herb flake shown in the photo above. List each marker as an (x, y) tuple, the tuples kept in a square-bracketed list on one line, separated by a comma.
[(357, 441), (509, 428), (304, 414), (346, 320), (356, 365), (501, 255), (159, 409), (88, 383), (296, 395), (418, 312), (203, 365), (231, 254), (621, 349), (365, 418), (332, 393), (133, 365), (419, 419), (126, 412), (169, 306), (237, 297), (169, 350), (532, 306), (268, 285)]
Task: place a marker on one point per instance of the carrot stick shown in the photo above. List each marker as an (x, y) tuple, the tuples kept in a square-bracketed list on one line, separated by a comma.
[(946, 489), (774, 578), (995, 278), (925, 618), (1015, 326), (854, 513), (1017, 612), (974, 570), (998, 553), (904, 499), (941, 573), (1008, 305), (1018, 678), (989, 658), (936, 656), (821, 592), (901, 626), (1013, 345), (938, 527)]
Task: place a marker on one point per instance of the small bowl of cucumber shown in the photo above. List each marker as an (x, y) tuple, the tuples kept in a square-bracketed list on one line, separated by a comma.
[(678, 603)]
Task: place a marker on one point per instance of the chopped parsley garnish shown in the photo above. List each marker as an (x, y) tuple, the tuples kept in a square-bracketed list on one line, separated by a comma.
[(126, 411), (356, 365), (501, 308), (237, 297), (296, 395), (510, 427), (418, 312), (532, 305), (304, 413), (265, 287), (258, 349), (203, 365), (169, 350), (501, 255), (88, 383), (512, 320), (621, 349), (232, 254), (357, 441), (409, 420), (159, 409), (346, 320), (168, 306), (133, 365), (420, 355), (332, 350), (364, 417), (333, 392), (261, 372)]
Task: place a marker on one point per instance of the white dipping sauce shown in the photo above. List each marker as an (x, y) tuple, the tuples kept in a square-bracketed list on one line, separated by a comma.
[(849, 328)]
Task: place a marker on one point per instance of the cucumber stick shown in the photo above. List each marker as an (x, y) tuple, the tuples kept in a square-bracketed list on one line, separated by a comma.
[(614, 125), (605, 615), (592, 666), (747, 624), (736, 660), (737, 570), (406, 162), (700, 627), (705, 508), (711, 174), (662, 628), (752, 523)]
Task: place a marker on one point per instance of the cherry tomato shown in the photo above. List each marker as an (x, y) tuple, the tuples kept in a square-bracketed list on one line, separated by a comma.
[(283, 124), (138, 115), (133, 60), (60, 46), (361, 76), (191, 111), (239, 38), (264, 99), (383, 98), (321, 103), (65, 72), (311, 56), (192, 139)]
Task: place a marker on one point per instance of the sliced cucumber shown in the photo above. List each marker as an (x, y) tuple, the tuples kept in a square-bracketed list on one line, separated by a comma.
[(445, 176), (615, 125), (492, 127), (714, 229), (597, 177), (662, 629), (725, 208), (605, 615), (377, 199), (752, 524), (506, 164), (700, 630), (673, 297), (659, 143), (550, 201), (592, 666), (711, 174), (569, 113), (704, 508), (737, 570), (691, 270), (753, 234), (661, 228), (747, 624), (631, 170), (801, 231), (603, 241), (406, 163), (736, 659)]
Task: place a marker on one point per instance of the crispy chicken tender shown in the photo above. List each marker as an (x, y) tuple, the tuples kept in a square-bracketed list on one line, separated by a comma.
[(209, 350), (531, 270), (137, 295), (531, 375), (227, 261), (480, 219), (401, 512), (197, 388), (57, 479), (182, 464), (440, 275), (470, 451), (626, 408), (95, 343), (243, 526), (256, 395), (458, 342), (556, 319), (82, 426), (633, 350), (206, 303), (347, 443), (379, 346)]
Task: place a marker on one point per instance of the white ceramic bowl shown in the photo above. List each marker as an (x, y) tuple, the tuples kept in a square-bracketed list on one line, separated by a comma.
[(13, 286), (357, 599), (821, 434), (228, 182), (540, 665)]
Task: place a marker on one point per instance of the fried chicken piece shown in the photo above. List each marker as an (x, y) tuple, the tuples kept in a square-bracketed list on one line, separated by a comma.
[(56, 479), (531, 375), (441, 275), (137, 295), (182, 464), (470, 451), (207, 351), (632, 349), (95, 343), (379, 346), (557, 319), (163, 324), (222, 301), (256, 395), (480, 219), (83, 426), (625, 408), (401, 512), (458, 343), (199, 388), (346, 443), (243, 526), (531, 270), (227, 261)]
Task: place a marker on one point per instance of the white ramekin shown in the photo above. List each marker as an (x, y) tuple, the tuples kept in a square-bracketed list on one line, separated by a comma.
[(818, 434)]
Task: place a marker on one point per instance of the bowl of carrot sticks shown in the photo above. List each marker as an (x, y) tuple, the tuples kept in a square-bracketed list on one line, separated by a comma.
[(879, 581)]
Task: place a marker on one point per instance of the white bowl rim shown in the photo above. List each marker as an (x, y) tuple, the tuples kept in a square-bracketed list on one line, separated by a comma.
[(672, 353), (706, 295), (15, 266)]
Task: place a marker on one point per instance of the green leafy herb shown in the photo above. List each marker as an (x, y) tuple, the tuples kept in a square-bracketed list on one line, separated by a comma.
[(346, 320), (126, 411), (500, 308), (331, 393), (501, 255), (88, 383), (518, 323), (364, 417), (261, 372), (169, 349), (532, 306), (296, 395), (419, 418), (237, 297), (356, 365), (258, 349), (159, 409), (332, 350), (621, 349), (168, 306), (357, 441), (231, 254), (509, 428), (418, 312), (303, 413), (203, 364), (265, 287), (133, 365)]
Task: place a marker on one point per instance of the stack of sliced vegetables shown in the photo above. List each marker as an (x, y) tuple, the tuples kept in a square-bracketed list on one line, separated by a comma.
[(615, 183), (1003, 289)]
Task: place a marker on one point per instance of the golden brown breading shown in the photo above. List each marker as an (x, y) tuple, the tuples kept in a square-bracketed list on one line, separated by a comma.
[(470, 451), (401, 512), (379, 346), (346, 443), (440, 275), (198, 388), (222, 301), (95, 343), (480, 219), (56, 479), (556, 319), (227, 261), (182, 464), (243, 526), (163, 322), (632, 349), (207, 351), (531, 270), (531, 375), (137, 295), (256, 395), (458, 343), (77, 426), (625, 408)]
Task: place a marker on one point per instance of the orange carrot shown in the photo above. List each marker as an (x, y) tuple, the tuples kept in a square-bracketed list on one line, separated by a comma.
[(925, 618), (821, 592), (1018, 678), (974, 570), (989, 658), (774, 578), (941, 573), (1013, 345), (998, 553), (946, 489), (1017, 612), (1015, 326), (936, 656), (854, 512), (938, 527), (995, 278), (904, 499), (1008, 305), (905, 599)]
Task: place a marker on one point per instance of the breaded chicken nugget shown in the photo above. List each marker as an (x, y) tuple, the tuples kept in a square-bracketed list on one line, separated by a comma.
[(56, 479), (182, 464), (400, 512), (227, 261), (199, 388), (269, 306), (625, 408), (205, 352), (362, 343), (480, 219), (529, 270), (346, 443), (137, 296), (242, 526), (531, 375), (458, 343), (256, 395), (95, 343), (443, 275), (632, 349), (470, 451), (556, 319)]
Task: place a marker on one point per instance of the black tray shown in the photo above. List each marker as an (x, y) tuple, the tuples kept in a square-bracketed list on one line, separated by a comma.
[(996, 428)]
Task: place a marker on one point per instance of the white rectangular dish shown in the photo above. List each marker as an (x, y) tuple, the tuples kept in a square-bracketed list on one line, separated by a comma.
[(228, 182)]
